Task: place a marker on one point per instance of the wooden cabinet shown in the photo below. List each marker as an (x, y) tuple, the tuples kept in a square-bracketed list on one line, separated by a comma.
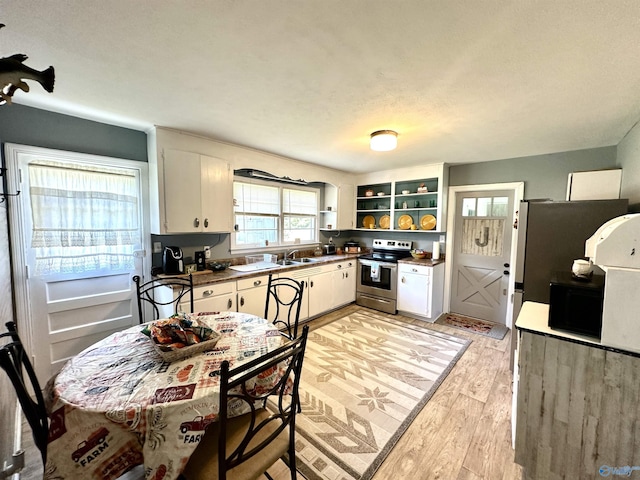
[(420, 289), (195, 193), (252, 295), (336, 213)]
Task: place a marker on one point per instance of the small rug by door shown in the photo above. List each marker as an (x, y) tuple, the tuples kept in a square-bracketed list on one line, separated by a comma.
[(475, 325), (364, 380)]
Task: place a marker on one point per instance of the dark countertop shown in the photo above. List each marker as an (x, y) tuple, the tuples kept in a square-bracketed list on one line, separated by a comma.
[(208, 277)]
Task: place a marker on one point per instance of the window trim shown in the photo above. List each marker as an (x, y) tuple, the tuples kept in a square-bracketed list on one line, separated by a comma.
[(234, 248)]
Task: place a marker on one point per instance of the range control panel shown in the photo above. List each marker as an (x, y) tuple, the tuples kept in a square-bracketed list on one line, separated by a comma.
[(379, 244)]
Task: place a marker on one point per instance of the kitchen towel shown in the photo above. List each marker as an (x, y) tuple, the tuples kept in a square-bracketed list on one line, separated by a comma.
[(375, 272)]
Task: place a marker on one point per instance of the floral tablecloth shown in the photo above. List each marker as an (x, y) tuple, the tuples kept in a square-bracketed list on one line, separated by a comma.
[(118, 404)]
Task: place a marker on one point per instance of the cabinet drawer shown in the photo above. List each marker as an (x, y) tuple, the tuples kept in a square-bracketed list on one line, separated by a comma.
[(253, 282), (415, 269), (212, 290)]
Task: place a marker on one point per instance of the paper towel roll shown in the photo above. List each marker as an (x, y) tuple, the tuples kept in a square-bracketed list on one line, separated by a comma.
[(435, 253)]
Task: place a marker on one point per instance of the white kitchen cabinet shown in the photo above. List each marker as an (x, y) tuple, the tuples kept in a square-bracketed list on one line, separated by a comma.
[(344, 280), (302, 275), (195, 193), (215, 297), (420, 289), (321, 291), (337, 211), (252, 295)]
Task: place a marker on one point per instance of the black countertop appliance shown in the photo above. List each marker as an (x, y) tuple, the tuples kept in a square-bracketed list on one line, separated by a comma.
[(172, 261)]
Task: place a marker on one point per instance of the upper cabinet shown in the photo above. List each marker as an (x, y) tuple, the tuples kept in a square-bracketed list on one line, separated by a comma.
[(194, 193), (337, 211), (403, 201)]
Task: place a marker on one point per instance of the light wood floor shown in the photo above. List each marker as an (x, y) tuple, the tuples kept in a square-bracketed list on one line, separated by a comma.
[(463, 433)]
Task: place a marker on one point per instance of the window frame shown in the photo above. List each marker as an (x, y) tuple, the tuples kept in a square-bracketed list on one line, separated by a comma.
[(280, 244)]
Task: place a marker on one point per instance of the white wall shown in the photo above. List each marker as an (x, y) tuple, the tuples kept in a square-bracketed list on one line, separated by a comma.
[(628, 157)]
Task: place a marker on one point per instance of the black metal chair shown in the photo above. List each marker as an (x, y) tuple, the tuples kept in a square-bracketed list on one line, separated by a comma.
[(149, 293), (284, 299), (15, 361), (244, 447)]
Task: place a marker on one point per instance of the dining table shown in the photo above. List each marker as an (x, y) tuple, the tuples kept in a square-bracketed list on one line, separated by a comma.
[(119, 403)]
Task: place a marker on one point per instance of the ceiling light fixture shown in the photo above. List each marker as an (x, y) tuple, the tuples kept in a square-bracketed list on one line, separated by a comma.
[(384, 140)]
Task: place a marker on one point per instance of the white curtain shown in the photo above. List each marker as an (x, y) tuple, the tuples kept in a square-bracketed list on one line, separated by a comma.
[(85, 218)]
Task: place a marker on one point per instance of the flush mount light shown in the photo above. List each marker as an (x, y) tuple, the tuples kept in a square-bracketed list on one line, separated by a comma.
[(384, 140)]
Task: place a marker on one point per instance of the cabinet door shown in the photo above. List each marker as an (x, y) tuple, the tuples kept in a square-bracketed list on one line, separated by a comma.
[(321, 291), (344, 284), (346, 202), (413, 293), (182, 199), (216, 195), (253, 301), (218, 303)]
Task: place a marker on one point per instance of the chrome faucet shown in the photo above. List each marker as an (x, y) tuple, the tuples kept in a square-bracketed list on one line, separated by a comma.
[(289, 254)]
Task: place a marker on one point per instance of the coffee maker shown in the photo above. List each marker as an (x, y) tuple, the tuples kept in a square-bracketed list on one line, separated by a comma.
[(172, 261)]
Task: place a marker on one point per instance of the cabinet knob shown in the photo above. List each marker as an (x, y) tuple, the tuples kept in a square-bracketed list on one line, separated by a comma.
[(506, 265), (414, 269), (339, 266), (229, 304), (206, 223), (402, 280), (311, 283), (257, 282), (207, 293), (346, 274), (196, 222), (241, 301)]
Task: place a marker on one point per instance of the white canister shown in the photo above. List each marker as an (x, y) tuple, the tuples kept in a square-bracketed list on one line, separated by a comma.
[(582, 268), (435, 252)]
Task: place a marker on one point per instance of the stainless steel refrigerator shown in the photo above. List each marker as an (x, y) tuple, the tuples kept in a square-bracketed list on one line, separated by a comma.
[(551, 235)]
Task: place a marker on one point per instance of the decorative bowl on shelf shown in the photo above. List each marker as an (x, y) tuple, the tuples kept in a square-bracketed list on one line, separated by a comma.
[(368, 193), (380, 194), (418, 253), (406, 192)]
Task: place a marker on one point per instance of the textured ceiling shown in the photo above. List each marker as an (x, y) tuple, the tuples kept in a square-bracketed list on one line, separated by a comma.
[(460, 80)]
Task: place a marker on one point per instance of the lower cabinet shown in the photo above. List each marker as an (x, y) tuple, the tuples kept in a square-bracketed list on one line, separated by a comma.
[(344, 279), (420, 289), (252, 295), (325, 287), (215, 297), (321, 292)]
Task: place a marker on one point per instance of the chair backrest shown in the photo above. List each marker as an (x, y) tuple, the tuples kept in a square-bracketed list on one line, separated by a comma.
[(238, 387), (149, 293), (15, 361), (284, 299)]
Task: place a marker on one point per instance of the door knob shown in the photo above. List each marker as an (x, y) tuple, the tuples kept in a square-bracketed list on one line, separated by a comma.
[(196, 222), (206, 223)]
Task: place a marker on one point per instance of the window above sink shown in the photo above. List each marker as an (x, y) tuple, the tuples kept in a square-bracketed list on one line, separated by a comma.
[(270, 214)]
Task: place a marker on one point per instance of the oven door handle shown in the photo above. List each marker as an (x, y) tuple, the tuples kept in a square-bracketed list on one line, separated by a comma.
[(382, 264)]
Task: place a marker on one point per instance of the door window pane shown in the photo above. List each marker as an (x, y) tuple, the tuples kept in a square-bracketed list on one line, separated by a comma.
[(469, 207), (484, 207), (500, 205)]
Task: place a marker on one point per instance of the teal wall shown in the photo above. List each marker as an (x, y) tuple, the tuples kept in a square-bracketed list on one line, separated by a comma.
[(544, 176)]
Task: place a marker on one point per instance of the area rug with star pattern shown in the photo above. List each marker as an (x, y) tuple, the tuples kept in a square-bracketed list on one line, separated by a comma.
[(365, 378)]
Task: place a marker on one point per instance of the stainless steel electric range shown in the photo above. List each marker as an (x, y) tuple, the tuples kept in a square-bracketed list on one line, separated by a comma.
[(378, 274)]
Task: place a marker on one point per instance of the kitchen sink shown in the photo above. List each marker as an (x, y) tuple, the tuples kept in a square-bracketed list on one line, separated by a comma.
[(287, 262), (304, 260)]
